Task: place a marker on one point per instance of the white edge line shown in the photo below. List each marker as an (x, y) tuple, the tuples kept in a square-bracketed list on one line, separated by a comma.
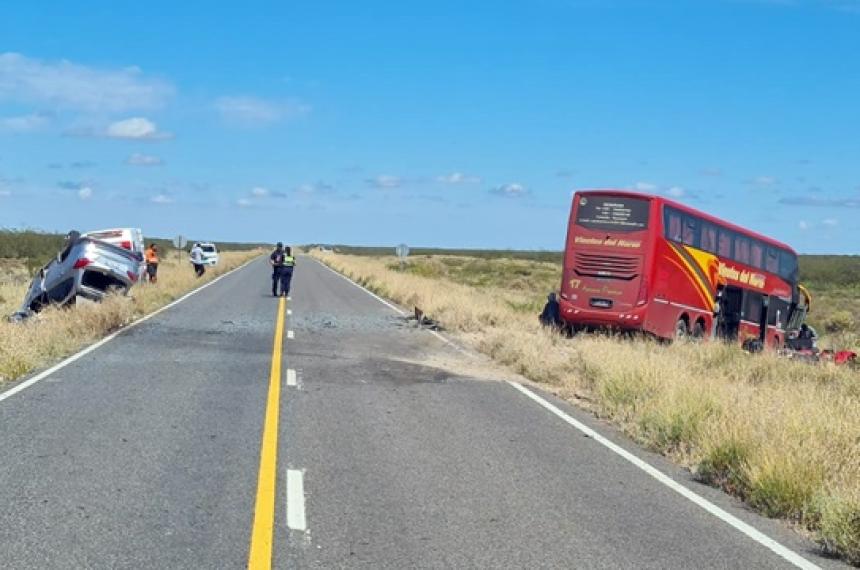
[(291, 377), (80, 354), (713, 509), (394, 308), (296, 500)]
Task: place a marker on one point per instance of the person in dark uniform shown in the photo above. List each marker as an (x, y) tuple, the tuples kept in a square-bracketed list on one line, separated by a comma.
[(551, 316), (277, 260), (287, 272)]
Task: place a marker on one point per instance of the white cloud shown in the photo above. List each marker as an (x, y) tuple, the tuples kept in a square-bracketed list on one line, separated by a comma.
[(676, 192), (139, 159), (162, 199), (85, 193), (512, 190), (385, 181), (135, 128), (830, 222), (803, 225), (316, 188), (255, 112), (458, 178), (259, 192), (645, 186), (243, 202), (25, 123), (764, 180), (66, 85)]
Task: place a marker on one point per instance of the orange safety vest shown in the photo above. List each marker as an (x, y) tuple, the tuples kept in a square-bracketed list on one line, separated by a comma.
[(151, 256)]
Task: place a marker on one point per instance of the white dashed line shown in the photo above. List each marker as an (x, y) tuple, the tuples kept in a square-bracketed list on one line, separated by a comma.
[(291, 377), (289, 311), (291, 334), (296, 500)]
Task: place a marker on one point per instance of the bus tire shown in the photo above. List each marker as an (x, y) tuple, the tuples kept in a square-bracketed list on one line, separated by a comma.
[(699, 329), (681, 330)]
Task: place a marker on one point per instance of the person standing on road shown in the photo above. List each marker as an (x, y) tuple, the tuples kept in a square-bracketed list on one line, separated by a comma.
[(287, 272), (197, 260), (151, 257), (277, 260)]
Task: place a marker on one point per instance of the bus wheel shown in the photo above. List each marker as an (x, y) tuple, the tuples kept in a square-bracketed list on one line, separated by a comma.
[(699, 330), (681, 331)]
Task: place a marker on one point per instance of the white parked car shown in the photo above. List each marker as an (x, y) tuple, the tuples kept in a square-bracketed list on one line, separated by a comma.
[(210, 253)]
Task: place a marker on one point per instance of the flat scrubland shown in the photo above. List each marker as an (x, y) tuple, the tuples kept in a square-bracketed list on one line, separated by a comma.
[(783, 436), (58, 332), (35, 248)]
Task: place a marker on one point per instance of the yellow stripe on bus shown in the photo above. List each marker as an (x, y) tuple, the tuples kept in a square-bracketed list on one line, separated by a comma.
[(691, 273)]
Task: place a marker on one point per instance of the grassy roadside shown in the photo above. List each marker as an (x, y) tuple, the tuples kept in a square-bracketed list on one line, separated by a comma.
[(783, 436), (56, 333)]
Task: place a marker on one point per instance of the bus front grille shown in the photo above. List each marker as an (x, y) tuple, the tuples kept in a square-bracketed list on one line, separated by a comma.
[(608, 266)]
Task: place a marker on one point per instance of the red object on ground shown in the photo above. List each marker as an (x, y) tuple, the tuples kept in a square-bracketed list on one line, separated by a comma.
[(844, 356)]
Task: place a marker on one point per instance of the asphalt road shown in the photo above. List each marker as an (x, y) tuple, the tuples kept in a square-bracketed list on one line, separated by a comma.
[(146, 453)]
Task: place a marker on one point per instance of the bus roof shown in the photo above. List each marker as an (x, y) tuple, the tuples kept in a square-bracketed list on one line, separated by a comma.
[(689, 210)]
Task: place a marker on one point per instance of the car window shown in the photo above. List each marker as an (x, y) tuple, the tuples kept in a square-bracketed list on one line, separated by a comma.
[(60, 291)]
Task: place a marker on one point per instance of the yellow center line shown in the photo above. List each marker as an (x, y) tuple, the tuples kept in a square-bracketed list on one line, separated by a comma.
[(260, 555)]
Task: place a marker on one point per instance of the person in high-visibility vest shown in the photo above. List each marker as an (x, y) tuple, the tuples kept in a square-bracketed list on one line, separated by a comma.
[(151, 257), (287, 271)]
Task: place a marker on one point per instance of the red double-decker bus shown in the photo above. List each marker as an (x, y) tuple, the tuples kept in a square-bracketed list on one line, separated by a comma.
[(646, 263)]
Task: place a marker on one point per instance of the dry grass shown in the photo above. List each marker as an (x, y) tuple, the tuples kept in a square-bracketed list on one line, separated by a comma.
[(56, 333), (784, 436)]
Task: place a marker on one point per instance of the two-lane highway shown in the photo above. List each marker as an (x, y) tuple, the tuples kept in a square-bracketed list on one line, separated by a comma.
[(323, 432)]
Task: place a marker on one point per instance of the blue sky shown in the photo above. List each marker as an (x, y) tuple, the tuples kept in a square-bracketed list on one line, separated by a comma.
[(461, 124)]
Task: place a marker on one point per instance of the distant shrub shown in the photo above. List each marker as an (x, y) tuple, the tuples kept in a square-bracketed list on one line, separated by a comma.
[(830, 270), (840, 321)]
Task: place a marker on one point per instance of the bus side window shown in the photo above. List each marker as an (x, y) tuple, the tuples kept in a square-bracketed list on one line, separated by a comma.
[(779, 306), (742, 250), (691, 225), (787, 266), (709, 238), (757, 254), (724, 247), (673, 225), (772, 262), (752, 306)]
